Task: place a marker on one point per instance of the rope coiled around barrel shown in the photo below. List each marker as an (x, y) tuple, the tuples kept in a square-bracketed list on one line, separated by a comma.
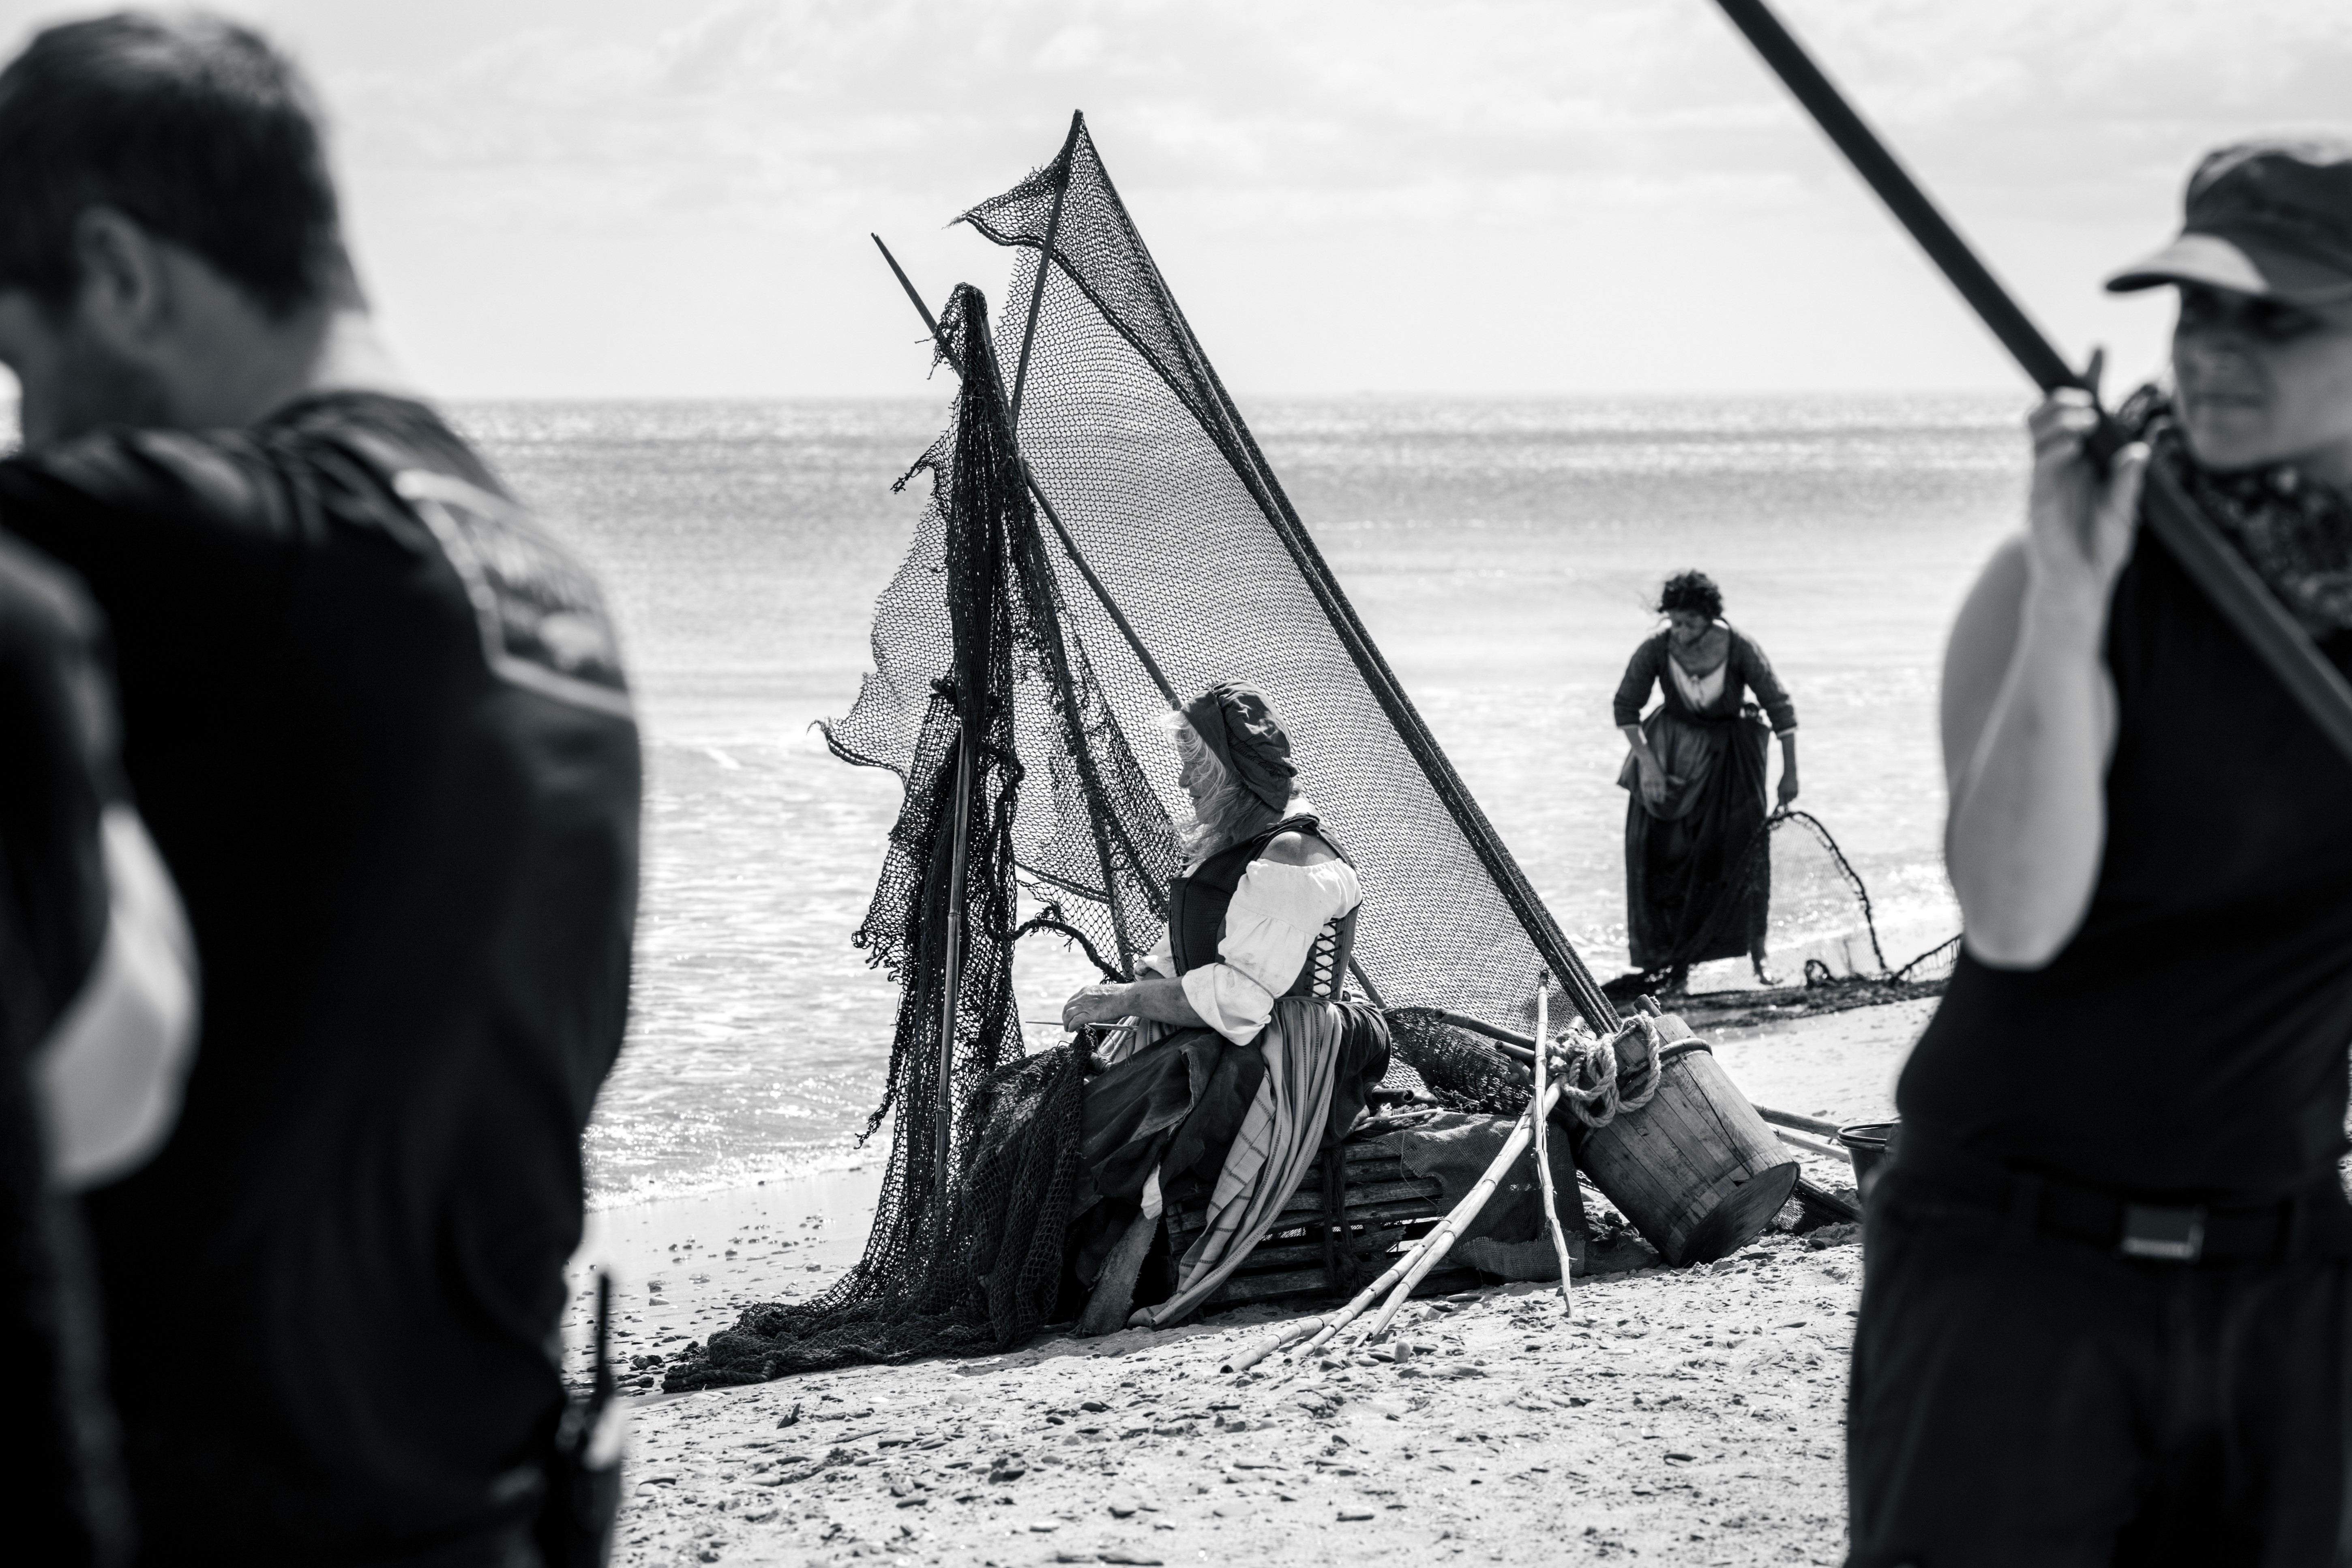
[(1593, 1081), (1463, 1072)]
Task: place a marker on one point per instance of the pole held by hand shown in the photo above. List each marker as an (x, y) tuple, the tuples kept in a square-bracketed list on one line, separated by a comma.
[(2315, 683)]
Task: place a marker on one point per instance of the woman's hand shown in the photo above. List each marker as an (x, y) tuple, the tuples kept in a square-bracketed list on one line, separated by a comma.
[(2029, 704), (1788, 787), (1105, 1003), (1656, 783), (2079, 520)]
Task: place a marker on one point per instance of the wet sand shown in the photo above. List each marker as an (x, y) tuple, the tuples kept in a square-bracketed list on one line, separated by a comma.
[(1690, 1416)]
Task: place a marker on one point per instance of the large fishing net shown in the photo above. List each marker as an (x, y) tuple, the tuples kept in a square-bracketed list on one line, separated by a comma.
[(1062, 592), (974, 676), (1195, 569)]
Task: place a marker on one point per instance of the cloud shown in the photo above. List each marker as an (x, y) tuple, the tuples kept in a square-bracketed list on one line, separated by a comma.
[(713, 169), (1312, 94)]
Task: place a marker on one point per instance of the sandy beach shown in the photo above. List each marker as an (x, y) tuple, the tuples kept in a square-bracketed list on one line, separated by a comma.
[(1688, 1415)]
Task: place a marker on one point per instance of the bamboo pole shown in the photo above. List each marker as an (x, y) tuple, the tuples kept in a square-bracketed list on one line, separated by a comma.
[(1495, 1031), (1044, 266), (1289, 1334), (1801, 1123), (1809, 1145), (1440, 1243), (1543, 1157), (1463, 1213)]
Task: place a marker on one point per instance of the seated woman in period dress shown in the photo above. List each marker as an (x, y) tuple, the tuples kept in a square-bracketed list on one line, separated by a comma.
[(1244, 1058), (1696, 773)]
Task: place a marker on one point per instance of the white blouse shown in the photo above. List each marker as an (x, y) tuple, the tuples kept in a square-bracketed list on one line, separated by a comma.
[(1270, 928), (1699, 690)]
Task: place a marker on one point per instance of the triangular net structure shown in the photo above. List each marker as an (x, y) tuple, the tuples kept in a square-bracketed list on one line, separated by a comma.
[(1145, 552), (1205, 572)]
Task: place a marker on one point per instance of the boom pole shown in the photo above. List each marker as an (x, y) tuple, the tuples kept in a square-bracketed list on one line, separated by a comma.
[(2315, 683)]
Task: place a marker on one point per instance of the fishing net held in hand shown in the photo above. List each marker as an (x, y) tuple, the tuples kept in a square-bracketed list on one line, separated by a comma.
[(1821, 917)]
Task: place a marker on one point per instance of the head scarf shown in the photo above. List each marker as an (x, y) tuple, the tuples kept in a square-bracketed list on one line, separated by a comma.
[(1233, 722)]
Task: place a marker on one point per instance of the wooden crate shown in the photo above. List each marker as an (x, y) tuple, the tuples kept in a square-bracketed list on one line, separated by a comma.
[(1380, 1206)]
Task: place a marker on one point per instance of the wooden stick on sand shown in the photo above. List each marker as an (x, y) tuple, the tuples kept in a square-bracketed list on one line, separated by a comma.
[(1543, 1158), (1289, 1333), (1410, 1269), (1414, 1264)]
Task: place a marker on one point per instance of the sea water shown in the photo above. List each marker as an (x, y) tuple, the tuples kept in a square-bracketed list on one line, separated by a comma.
[(1502, 552)]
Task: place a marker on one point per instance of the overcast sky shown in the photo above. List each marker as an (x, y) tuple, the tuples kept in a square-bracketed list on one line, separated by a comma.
[(617, 197)]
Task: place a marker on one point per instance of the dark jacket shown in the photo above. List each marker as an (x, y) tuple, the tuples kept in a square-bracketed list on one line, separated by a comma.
[(374, 719)]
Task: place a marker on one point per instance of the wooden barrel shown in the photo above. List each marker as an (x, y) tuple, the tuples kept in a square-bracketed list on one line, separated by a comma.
[(1696, 1169)]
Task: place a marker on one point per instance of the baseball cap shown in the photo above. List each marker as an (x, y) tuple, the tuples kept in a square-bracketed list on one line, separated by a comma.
[(2271, 218)]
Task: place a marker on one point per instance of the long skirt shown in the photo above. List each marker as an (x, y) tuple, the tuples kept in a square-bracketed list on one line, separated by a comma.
[(1232, 1126), (1693, 890)]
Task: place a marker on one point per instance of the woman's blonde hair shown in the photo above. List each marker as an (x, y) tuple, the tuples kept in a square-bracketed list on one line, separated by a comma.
[(1223, 813)]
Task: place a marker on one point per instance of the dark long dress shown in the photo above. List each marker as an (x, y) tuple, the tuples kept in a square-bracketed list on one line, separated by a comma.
[(1177, 1106), (1683, 856)]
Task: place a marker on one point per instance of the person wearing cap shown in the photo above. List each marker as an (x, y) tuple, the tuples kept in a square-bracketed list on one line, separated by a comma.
[(2107, 1306), (1243, 1051)]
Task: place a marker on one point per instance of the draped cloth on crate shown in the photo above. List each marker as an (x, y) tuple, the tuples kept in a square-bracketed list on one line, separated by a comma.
[(1508, 1238), (1693, 891)]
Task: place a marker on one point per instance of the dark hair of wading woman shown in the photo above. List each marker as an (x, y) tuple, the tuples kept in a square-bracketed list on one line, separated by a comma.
[(1696, 779), (2107, 1313)]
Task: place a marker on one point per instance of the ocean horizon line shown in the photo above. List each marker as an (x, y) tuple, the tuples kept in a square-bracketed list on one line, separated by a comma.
[(2021, 396)]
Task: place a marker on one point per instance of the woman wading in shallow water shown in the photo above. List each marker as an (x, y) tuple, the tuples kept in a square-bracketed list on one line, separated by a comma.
[(1696, 773)]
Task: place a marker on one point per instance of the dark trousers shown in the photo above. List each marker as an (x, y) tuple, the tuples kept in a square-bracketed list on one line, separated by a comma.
[(2019, 1399)]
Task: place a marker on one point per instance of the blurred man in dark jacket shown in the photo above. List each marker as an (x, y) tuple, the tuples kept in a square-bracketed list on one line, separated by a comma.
[(377, 722)]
